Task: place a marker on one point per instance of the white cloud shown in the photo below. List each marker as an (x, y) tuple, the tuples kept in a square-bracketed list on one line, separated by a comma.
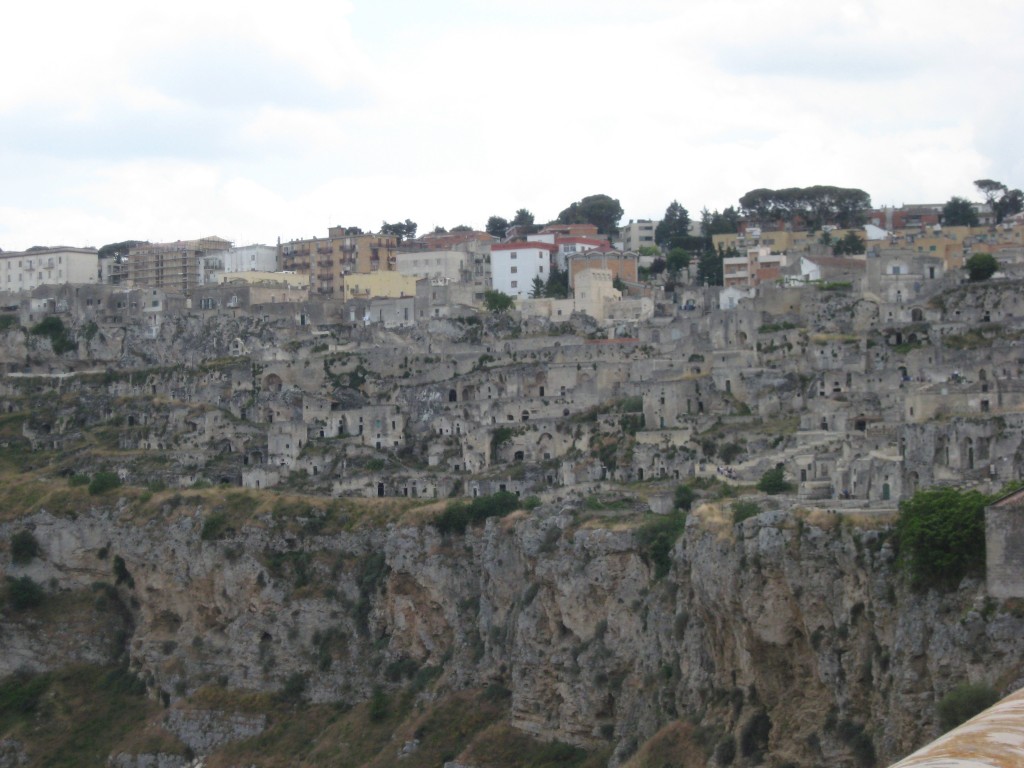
[(253, 120)]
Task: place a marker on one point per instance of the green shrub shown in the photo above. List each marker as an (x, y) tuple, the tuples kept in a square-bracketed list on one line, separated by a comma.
[(632, 405), (293, 688), (380, 707), (656, 539), (459, 515), (940, 533), (24, 547), (104, 481), (774, 481), (981, 266), (53, 328), (964, 702), (730, 452), (23, 594), (684, 497), (214, 527), (121, 573), (742, 510), (78, 480)]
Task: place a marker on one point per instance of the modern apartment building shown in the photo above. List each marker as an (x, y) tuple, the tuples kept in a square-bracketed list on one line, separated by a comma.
[(328, 261), (177, 267), (27, 270), (637, 234)]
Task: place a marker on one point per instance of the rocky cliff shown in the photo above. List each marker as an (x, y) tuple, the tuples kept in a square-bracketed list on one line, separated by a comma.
[(791, 637)]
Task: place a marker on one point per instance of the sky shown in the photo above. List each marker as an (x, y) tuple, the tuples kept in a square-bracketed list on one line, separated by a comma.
[(256, 121)]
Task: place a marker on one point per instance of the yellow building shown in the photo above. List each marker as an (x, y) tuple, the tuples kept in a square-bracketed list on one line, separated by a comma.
[(326, 262), (777, 241), (375, 285)]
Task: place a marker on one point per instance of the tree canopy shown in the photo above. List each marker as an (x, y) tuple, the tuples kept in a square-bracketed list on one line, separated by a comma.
[(941, 536), (1003, 200), (403, 230), (677, 259), (959, 212), (774, 481), (602, 211), (496, 226), (119, 250), (714, 223), (981, 266), (537, 288), (498, 302), (709, 266), (557, 286), (849, 244), (812, 207), (673, 231)]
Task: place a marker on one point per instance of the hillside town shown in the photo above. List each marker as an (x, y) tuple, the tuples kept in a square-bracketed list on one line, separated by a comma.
[(866, 361)]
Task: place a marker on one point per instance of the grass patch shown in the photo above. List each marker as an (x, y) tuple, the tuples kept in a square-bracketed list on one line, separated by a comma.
[(75, 716)]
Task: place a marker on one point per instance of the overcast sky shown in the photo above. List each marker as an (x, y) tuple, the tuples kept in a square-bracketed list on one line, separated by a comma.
[(253, 120)]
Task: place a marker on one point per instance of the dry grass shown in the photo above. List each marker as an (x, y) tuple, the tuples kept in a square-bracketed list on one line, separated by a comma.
[(673, 745)]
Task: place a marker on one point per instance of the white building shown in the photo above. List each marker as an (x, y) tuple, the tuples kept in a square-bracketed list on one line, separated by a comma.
[(515, 265), (25, 271), (250, 258), (637, 234)]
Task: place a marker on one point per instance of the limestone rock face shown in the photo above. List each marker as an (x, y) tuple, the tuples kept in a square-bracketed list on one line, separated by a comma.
[(796, 636)]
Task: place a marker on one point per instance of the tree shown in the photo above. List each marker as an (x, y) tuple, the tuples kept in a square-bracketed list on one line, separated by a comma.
[(119, 250), (523, 221), (725, 223), (774, 481), (440, 231), (602, 211), (677, 260), (709, 266), (813, 207), (353, 231), (849, 244), (941, 536), (981, 266), (684, 497), (1002, 200), (402, 230), (558, 284), (537, 288), (959, 212), (496, 226), (523, 218), (498, 302), (673, 231), (657, 266), (964, 702), (461, 228)]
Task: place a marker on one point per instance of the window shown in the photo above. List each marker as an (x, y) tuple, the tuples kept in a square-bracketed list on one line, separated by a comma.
[(515, 283), (515, 270), (513, 255)]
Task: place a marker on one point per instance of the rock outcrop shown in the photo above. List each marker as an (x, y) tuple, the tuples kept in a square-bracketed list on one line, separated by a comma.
[(792, 634)]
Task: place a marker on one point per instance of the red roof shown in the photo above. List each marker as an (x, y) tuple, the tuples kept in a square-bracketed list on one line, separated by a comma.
[(596, 242), (523, 245)]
